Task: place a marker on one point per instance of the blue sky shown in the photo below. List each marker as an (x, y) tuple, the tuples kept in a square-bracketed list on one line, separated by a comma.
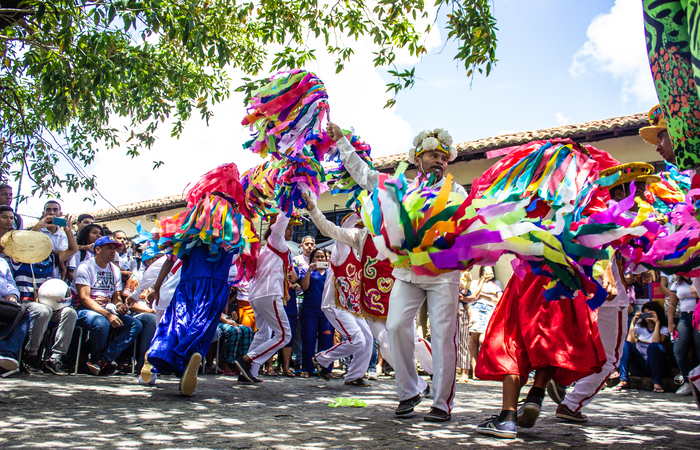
[(560, 62), (532, 86)]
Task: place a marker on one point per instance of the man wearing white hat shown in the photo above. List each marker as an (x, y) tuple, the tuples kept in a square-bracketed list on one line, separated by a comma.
[(431, 154)]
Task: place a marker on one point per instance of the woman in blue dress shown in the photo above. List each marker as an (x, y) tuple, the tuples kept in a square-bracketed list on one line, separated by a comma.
[(315, 328), (190, 321)]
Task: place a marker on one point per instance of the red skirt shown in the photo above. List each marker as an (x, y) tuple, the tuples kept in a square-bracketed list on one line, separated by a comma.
[(527, 333)]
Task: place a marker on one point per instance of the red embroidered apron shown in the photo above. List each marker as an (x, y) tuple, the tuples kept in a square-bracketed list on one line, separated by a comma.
[(377, 282)]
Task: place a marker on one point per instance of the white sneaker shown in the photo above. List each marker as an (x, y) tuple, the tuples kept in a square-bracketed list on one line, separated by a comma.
[(8, 366), (151, 381), (372, 375), (686, 389)]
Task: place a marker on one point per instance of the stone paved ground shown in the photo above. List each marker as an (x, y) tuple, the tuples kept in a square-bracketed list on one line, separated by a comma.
[(44, 411)]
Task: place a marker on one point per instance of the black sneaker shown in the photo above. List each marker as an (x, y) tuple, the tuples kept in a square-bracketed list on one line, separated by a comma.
[(426, 392), (406, 406), (528, 414), (359, 382), (437, 415), (33, 364), (244, 367), (56, 367), (243, 379), (108, 367), (322, 371), (556, 392)]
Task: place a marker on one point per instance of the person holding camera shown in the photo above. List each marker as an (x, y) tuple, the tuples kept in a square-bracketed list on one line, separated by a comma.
[(643, 353), (315, 327)]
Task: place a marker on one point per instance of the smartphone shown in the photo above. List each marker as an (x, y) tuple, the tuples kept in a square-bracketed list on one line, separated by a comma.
[(322, 265), (645, 316), (60, 221)]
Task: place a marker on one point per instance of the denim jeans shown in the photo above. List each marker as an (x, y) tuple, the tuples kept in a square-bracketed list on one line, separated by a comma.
[(99, 328), (687, 337), (148, 324), (656, 364), (375, 357), (11, 346)]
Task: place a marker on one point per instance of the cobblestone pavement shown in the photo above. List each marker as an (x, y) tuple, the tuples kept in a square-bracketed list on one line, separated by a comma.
[(45, 411)]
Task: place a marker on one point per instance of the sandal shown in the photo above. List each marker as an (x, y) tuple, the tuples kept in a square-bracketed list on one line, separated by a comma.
[(271, 373), (659, 390), (290, 373), (331, 376), (304, 375), (620, 387), (228, 372)]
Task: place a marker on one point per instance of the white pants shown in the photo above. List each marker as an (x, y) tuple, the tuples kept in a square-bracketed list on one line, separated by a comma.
[(269, 317), (612, 326), (358, 342), (404, 304), (424, 353)]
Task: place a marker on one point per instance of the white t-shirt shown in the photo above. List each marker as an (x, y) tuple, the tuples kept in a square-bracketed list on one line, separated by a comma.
[(58, 239), (75, 260), (127, 262), (686, 299), (103, 282), (301, 262), (644, 337)]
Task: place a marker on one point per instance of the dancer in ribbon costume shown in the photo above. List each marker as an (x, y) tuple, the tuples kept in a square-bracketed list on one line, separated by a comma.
[(559, 339), (672, 30), (611, 316), (358, 285), (269, 291), (432, 153), (206, 239)]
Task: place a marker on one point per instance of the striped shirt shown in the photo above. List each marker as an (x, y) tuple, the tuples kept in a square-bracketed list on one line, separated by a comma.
[(43, 271)]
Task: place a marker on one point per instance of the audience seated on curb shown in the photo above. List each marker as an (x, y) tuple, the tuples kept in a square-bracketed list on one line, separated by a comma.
[(97, 294), (11, 340), (27, 276), (235, 340), (643, 353)]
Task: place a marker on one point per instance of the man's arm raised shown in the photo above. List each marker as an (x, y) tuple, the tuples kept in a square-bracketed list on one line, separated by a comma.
[(360, 172), (347, 236)]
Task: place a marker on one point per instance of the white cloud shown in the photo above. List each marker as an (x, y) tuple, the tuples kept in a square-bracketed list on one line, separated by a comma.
[(616, 46), (562, 119)]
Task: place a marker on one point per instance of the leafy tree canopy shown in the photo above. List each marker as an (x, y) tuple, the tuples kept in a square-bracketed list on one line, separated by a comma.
[(69, 66)]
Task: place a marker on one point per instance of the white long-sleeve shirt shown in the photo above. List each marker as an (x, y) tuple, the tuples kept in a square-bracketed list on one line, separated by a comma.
[(7, 282), (270, 272), (347, 240), (368, 178)]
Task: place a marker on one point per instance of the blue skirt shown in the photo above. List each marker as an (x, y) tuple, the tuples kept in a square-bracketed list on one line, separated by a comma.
[(190, 321)]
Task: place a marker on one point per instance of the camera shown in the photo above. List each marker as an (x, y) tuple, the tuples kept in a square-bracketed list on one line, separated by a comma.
[(322, 265), (60, 222)]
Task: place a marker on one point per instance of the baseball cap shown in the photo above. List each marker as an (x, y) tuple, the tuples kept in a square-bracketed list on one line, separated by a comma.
[(104, 240)]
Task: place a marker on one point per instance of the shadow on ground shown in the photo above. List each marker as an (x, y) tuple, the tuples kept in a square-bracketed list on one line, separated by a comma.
[(44, 411)]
